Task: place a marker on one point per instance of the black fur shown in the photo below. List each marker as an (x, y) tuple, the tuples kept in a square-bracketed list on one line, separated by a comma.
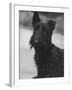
[(49, 59)]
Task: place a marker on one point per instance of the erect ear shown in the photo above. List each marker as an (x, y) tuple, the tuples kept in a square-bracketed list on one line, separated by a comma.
[(51, 24), (35, 19)]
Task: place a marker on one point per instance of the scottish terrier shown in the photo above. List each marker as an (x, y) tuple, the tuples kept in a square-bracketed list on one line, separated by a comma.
[(49, 59)]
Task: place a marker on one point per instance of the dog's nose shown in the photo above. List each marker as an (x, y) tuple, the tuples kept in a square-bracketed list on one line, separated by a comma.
[(36, 41)]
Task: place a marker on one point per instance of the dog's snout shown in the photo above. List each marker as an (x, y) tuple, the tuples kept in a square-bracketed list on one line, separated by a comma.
[(37, 37), (36, 41)]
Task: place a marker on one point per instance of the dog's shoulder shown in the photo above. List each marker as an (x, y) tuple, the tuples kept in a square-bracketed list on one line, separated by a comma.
[(56, 52), (56, 49)]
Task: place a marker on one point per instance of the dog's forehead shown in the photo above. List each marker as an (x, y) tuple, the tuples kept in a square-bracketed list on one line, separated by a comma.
[(44, 24), (41, 24)]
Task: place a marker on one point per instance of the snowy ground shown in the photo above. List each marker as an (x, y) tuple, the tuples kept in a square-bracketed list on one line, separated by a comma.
[(27, 65)]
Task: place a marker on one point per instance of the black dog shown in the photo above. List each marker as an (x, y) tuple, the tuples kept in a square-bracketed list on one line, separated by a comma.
[(49, 59)]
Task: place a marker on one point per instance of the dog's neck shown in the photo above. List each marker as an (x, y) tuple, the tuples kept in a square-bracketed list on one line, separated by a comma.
[(44, 50)]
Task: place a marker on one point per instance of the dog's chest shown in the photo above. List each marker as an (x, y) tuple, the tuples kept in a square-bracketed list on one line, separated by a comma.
[(47, 58)]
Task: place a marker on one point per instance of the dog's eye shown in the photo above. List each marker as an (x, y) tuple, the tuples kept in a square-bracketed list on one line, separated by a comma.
[(37, 27)]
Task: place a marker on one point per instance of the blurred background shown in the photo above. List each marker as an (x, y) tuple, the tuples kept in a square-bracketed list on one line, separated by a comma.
[(27, 64)]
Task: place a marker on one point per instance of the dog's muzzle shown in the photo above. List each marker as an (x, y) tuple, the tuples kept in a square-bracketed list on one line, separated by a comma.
[(35, 43)]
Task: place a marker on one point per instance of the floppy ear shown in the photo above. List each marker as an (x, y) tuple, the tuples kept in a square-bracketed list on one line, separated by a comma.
[(51, 24), (35, 19)]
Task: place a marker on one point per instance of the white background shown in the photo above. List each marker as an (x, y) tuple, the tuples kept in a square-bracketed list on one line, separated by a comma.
[(4, 42)]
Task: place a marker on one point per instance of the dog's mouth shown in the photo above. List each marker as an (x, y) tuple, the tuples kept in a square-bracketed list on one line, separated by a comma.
[(36, 44), (39, 46)]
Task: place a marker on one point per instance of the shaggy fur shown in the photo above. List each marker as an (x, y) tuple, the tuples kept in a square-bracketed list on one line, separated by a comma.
[(49, 59)]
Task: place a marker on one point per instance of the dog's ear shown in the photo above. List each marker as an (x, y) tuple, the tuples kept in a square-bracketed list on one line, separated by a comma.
[(35, 19), (51, 24)]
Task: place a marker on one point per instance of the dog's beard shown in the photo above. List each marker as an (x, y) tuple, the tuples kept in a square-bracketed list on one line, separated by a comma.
[(35, 45), (39, 47)]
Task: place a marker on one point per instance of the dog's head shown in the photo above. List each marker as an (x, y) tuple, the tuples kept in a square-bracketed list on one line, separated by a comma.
[(42, 32)]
